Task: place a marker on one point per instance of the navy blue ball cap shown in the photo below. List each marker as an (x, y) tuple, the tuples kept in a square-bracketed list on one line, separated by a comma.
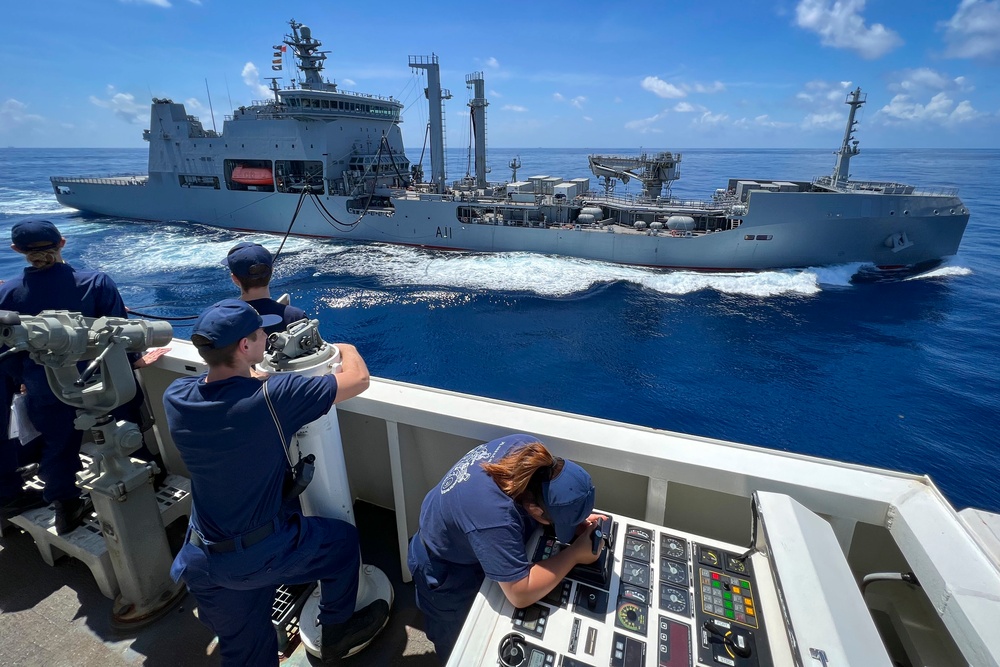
[(568, 500), (34, 235), (247, 260), (229, 321)]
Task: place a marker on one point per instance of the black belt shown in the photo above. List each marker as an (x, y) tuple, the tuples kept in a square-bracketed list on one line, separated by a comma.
[(248, 540)]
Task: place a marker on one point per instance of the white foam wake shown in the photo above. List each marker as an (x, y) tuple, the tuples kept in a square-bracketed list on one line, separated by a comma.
[(554, 276)]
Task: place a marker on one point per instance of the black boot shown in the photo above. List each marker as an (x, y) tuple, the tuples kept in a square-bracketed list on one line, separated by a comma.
[(70, 514), (345, 639)]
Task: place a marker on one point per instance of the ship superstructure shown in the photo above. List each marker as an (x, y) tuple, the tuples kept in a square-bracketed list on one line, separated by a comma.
[(318, 161)]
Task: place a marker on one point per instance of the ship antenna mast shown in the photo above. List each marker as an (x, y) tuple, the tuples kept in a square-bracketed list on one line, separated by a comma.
[(306, 49), (274, 87), (514, 165), (849, 147)]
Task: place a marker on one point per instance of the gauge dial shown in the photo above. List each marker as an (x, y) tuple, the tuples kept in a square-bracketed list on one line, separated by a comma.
[(734, 564), (674, 599), (674, 547), (636, 574), (673, 572), (637, 549), (631, 616), (709, 557)]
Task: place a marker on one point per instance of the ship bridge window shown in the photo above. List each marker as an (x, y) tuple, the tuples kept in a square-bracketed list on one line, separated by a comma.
[(252, 175), (294, 175)]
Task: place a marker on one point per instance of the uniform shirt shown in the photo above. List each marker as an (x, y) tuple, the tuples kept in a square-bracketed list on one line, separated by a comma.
[(58, 287), (287, 313), (230, 444), (467, 522)]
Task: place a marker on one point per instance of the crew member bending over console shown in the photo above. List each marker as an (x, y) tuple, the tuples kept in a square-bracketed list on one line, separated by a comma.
[(243, 541), (476, 522)]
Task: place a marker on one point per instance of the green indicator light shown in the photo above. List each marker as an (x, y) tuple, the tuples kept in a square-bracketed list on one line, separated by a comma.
[(730, 614), (745, 584), (729, 604), (716, 584), (727, 595)]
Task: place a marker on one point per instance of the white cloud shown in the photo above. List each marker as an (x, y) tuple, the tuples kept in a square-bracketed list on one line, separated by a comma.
[(974, 30), (823, 121), (492, 63), (709, 118), (123, 105), (251, 77), (158, 3), (687, 107), (495, 94), (644, 125), (760, 121), (349, 82), (514, 107), (14, 113), (588, 119), (578, 101), (839, 24), (925, 79), (558, 97), (714, 87), (661, 88), (940, 109)]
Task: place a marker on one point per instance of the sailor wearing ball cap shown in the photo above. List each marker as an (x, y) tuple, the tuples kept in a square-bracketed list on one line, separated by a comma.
[(476, 522)]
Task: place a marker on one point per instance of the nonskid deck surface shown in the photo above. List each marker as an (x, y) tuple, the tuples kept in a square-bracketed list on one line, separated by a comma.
[(57, 616)]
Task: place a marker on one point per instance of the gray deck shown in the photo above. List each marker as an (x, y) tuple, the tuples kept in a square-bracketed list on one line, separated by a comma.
[(57, 616)]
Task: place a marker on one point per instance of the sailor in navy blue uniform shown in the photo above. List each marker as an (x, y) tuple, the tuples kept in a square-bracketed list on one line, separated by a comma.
[(243, 541), (251, 265), (475, 524), (51, 284)]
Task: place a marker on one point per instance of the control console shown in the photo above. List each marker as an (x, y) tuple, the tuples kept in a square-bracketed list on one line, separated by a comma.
[(659, 597)]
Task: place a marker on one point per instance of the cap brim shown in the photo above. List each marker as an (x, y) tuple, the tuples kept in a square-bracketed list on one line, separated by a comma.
[(566, 518), (270, 320)]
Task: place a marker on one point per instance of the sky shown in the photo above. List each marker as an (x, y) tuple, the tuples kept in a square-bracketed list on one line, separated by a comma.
[(660, 74)]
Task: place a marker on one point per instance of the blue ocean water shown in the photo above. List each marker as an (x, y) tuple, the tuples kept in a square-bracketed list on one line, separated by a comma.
[(900, 374)]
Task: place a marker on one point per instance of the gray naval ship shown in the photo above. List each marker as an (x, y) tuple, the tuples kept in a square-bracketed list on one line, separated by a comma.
[(318, 161)]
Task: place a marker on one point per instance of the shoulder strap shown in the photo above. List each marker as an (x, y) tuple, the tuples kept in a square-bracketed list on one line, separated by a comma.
[(277, 424)]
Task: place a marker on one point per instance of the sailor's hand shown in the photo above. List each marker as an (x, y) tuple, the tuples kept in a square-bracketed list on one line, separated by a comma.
[(582, 547), (150, 357), (593, 518)]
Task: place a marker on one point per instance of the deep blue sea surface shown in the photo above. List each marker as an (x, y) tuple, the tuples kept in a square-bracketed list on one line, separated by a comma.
[(900, 374)]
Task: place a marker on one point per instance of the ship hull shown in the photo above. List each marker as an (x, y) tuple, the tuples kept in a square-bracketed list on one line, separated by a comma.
[(779, 230)]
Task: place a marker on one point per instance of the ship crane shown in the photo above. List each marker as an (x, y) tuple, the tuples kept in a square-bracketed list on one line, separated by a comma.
[(654, 172)]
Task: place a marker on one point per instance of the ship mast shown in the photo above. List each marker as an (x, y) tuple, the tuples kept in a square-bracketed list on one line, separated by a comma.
[(478, 106), (849, 147), (435, 94), (310, 57)]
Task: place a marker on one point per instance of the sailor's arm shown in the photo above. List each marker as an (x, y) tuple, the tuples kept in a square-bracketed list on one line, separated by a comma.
[(353, 377), (544, 575)]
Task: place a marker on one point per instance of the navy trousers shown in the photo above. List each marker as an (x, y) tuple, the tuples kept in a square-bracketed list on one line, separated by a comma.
[(235, 590), (445, 593)]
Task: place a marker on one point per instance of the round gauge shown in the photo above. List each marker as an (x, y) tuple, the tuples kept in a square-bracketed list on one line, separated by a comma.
[(673, 572), (637, 549), (736, 565), (674, 547), (636, 574), (709, 557), (674, 599), (632, 617)]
